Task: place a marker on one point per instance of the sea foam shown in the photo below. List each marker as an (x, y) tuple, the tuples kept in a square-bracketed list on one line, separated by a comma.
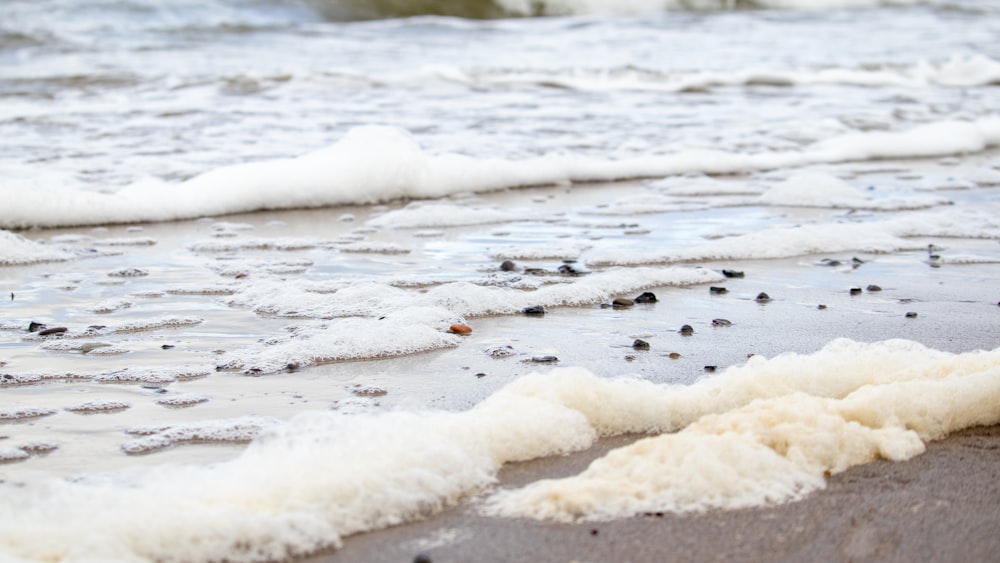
[(379, 163), (764, 432)]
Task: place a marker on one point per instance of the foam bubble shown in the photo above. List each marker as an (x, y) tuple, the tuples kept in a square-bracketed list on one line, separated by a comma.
[(237, 430), (19, 413), (98, 406)]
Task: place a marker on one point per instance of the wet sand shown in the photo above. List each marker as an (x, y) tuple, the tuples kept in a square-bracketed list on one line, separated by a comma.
[(943, 505)]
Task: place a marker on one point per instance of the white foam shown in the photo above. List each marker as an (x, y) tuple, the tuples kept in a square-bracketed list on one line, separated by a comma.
[(236, 430), (779, 427), (376, 164), (383, 320), (15, 250), (18, 413), (98, 405), (756, 434)]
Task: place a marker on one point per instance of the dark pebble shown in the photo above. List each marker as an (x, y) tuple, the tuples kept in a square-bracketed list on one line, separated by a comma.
[(646, 297), (710, 369), (480, 374), (686, 330), (422, 558), (568, 270), (829, 262), (855, 291), (291, 366), (821, 306), (855, 261), (536, 310), (53, 330), (507, 266), (35, 327), (763, 297), (715, 290), (911, 315), (622, 302), (873, 288), (640, 344), (721, 322), (732, 273), (544, 359), (534, 271), (167, 346), (594, 531)]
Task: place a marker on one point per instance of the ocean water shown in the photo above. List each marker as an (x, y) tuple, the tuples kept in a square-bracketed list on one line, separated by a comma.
[(244, 232)]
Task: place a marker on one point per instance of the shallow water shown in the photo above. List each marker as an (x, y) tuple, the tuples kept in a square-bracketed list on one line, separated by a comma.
[(196, 192)]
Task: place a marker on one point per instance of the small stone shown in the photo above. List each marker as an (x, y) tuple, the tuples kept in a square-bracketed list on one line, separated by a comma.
[(830, 262), (873, 288), (544, 359), (673, 355), (35, 327), (646, 297), (821, 306), (629, 357), (422, 558), (622, 302), (53, 330), (480, 374), (710, 369), (911, 315), (855, 291), (715, 290), (594, 531), (167, 346), (721, 322), (640, 344), (534, 310), (686, 330), (568, 270), (459, 328), (763, 297), (732, 273), (507, 266)]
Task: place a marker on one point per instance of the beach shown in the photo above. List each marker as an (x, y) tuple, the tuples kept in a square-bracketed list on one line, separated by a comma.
[(923, 507), (476, 280), (939, 506)]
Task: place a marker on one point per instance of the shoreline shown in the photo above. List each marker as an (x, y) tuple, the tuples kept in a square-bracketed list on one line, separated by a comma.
[(942, 505)]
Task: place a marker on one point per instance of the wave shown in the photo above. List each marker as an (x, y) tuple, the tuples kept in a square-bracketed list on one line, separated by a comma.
[(350, 10), (955, 72), (374, 164)]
